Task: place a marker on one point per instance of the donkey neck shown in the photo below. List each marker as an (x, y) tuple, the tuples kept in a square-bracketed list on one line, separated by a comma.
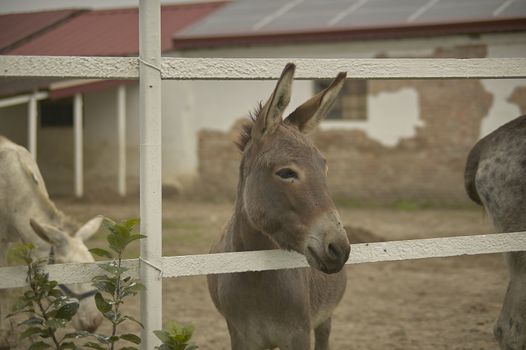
[(244, 236)]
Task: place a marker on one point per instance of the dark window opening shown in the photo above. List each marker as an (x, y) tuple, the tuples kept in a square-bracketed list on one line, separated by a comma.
[(57, 113), (351, 103)]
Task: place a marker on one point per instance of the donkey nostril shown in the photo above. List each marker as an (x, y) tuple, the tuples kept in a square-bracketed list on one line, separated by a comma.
[(497, 333), (333, 251)]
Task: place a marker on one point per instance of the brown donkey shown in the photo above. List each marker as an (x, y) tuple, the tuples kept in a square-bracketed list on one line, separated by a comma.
[(283, 202)]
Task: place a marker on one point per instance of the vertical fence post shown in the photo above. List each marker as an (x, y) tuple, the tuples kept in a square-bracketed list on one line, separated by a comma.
[(150, 164), (32, 126), (78, 143), (121, 130)]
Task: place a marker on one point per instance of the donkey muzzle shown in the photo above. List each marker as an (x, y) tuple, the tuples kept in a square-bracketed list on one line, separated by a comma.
[(327, 247)]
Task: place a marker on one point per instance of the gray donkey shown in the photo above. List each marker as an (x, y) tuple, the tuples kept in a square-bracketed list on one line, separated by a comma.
[(495, 177), (283, 202)]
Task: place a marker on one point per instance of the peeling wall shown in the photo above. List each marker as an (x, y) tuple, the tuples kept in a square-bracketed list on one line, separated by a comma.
[(413, 145)]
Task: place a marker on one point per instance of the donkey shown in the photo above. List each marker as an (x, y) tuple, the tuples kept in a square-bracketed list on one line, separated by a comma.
[(28, 215), (495, 177), (283, 202)]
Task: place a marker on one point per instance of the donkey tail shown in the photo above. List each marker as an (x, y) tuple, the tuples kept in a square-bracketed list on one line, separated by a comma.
[(470, 173)]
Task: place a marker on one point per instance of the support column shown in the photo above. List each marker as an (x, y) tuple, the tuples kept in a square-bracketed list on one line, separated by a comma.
[(121, 131), (78, 141), (150, 153), (32, 126)]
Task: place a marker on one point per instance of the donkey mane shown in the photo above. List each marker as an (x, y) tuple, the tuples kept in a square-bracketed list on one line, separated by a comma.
[(246, 128)]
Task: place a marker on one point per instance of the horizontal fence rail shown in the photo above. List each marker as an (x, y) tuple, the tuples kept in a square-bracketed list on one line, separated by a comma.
[(194, 265), (262, 68)]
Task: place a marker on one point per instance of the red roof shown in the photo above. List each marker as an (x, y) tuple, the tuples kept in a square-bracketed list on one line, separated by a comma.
[(111, 32), (17, 27)]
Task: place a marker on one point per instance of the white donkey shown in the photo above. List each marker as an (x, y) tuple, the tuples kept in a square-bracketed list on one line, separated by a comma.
[(28, 215), (495, 177)]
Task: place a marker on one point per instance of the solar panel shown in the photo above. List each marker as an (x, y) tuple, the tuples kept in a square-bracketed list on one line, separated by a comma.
[(516, 9), (257, 16)]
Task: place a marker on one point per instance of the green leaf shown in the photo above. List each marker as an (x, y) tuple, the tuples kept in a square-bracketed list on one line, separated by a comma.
[(56, 323), (134, 238), (56, 293), (78, 334), (20, 253), (163, 336), (129, 348), (107, 286), (132, 289), (21, 305), (117, 242), (134, 320), (31, 321), (68, 310), (69, 345), (113, 269), (40, 345), (101, 252), (102, 305), (131, 338), (93, 345), (30, 331), (131, 223), (121, 230)]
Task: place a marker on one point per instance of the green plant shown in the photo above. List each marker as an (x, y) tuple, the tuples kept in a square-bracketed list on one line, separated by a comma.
[(176, 337), (47, 307), (50, 309), (113, 286)]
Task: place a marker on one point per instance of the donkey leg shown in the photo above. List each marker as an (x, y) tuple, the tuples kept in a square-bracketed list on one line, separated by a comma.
[(5, 324), (238, 340), (510, 330), (299, 341), (321, 335)]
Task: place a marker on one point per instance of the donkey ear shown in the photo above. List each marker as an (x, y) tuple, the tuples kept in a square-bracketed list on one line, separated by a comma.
[(270, 115), (48, 233), (89, 228), (307, 116)]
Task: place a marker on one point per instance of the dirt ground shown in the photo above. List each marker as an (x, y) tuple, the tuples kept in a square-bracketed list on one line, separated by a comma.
[(448, 303)]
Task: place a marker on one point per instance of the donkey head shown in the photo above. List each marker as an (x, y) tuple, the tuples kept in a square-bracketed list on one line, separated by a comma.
[(66, 248), (283, 178)]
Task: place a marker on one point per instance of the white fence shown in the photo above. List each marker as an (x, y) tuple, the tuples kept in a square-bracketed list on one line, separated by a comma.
[(150, 68)]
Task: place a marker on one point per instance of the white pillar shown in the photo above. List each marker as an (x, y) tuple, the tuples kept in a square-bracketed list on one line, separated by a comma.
[(32, 126), (78, 160), (150, 155), (121, 131)]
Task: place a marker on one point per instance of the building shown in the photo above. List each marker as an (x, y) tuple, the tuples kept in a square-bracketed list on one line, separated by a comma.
[(386, 141), (106, 170)]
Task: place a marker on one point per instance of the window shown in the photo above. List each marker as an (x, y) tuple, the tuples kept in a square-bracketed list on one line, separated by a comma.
[(351, 104), (57, 113)]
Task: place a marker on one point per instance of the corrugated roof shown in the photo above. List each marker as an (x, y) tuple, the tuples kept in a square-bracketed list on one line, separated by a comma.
[(253, 22), (17, 27), (111, 32)]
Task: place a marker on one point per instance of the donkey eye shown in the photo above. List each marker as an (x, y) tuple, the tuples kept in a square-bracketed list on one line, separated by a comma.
[(287, 173)]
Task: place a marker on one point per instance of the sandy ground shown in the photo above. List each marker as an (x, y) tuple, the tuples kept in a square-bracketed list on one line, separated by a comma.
[(448, 303)]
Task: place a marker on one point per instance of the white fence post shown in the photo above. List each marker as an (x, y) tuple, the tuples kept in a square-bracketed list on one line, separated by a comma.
[(78, 142), (121, 130), (32, 126), (150, 164)]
